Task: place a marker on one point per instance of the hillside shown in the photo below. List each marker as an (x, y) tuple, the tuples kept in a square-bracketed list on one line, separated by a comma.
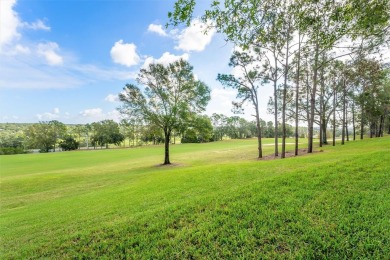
[(216, 201)]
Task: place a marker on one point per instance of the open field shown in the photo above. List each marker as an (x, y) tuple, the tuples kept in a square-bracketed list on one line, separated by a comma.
[(216, 201)]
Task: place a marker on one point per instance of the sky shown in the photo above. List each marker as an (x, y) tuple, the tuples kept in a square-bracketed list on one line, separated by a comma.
[(67, 60)]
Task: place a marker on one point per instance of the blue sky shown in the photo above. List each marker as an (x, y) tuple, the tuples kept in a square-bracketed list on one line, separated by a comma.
[(68, 60)]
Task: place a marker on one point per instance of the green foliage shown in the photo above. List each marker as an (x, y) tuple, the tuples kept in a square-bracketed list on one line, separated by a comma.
[(170, 97), (69, 144), (106, 132), (42, 136), (199, 130), (118, 204)]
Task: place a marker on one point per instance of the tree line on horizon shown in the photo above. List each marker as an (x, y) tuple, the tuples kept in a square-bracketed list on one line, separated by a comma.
[(50, 136)]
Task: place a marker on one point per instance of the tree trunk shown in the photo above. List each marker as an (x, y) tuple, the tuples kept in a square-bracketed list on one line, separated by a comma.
[(346, 126), (276, 107), (313, 100), (324, 136), (321, 107), (362, 122), (258, 133), (307, 103), (343, 123), (334, 115), (284, 98), (353, 119), (297, 93), (381, 126), (167, 134)]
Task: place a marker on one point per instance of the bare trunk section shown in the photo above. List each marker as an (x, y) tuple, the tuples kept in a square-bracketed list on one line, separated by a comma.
[(297, 94), (343, 123), (334, 115), (258, 133), (313, 101), (353, 118), (285, 97), (167, 135), (276, 106)]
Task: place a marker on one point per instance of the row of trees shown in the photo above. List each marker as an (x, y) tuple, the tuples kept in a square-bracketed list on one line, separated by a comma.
[(321, 58), (52, 135)]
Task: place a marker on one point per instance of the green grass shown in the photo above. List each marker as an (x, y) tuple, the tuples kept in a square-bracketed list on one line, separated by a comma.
[(217, 201)]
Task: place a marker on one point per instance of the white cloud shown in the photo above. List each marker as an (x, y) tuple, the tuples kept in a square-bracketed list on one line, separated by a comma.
[(221, 100), (55, 114), (157, 28), (20, 49), (97, 114), (9, 22), (125, 53), (38, 25), (194, 38), (49, 115), (112, 98), (92, 112), (49, 52), (165, 59)]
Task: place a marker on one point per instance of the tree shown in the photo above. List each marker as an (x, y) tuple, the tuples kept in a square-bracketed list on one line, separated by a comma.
[(69, 143), (106, 132), (171, 94), (41, 136), (246, 85), (198, 130), (59, 130)]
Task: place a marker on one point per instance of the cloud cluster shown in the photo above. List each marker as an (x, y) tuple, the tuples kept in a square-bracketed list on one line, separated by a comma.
[(49, 51), (125, 53), (9, 22), (165, 59), (157, 28), (48, 116), (97, 114), (193, 38), (38, 25)]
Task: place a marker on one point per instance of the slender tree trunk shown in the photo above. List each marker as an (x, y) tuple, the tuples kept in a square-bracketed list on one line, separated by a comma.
[(258, 126), (313, 100), (285, 97), (362, 119), (167, 134), (353, 119), (334, 115), (346, 124), (276, 107), (297, 94), (322, 87), (324, 136), (381, 124), (343, 123), (307, 103)]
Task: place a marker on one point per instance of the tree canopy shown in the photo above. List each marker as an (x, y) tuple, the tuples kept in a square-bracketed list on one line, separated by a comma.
[(169, 96)]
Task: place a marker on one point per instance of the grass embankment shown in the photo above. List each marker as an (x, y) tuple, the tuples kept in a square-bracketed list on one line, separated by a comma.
[(217, 202)]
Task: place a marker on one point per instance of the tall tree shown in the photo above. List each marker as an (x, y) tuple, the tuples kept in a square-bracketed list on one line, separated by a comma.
[(41, 136), (247, 85), (170, 96)]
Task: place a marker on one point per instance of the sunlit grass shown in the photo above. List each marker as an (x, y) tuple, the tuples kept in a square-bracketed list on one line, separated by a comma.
[(216, 201)]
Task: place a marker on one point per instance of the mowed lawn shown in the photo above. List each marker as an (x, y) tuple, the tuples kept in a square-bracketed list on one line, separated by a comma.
[(216, 201)]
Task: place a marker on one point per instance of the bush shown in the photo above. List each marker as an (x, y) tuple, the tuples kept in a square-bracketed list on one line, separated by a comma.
[(11, 150), (69, 143)]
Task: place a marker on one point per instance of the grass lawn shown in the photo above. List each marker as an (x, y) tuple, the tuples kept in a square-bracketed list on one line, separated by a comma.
[(216, 201)]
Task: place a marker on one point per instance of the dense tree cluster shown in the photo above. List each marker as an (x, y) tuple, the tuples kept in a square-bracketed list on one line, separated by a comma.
[(322, 59)]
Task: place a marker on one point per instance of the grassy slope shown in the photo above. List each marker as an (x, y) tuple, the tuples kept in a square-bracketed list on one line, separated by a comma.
[(218, 202)]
